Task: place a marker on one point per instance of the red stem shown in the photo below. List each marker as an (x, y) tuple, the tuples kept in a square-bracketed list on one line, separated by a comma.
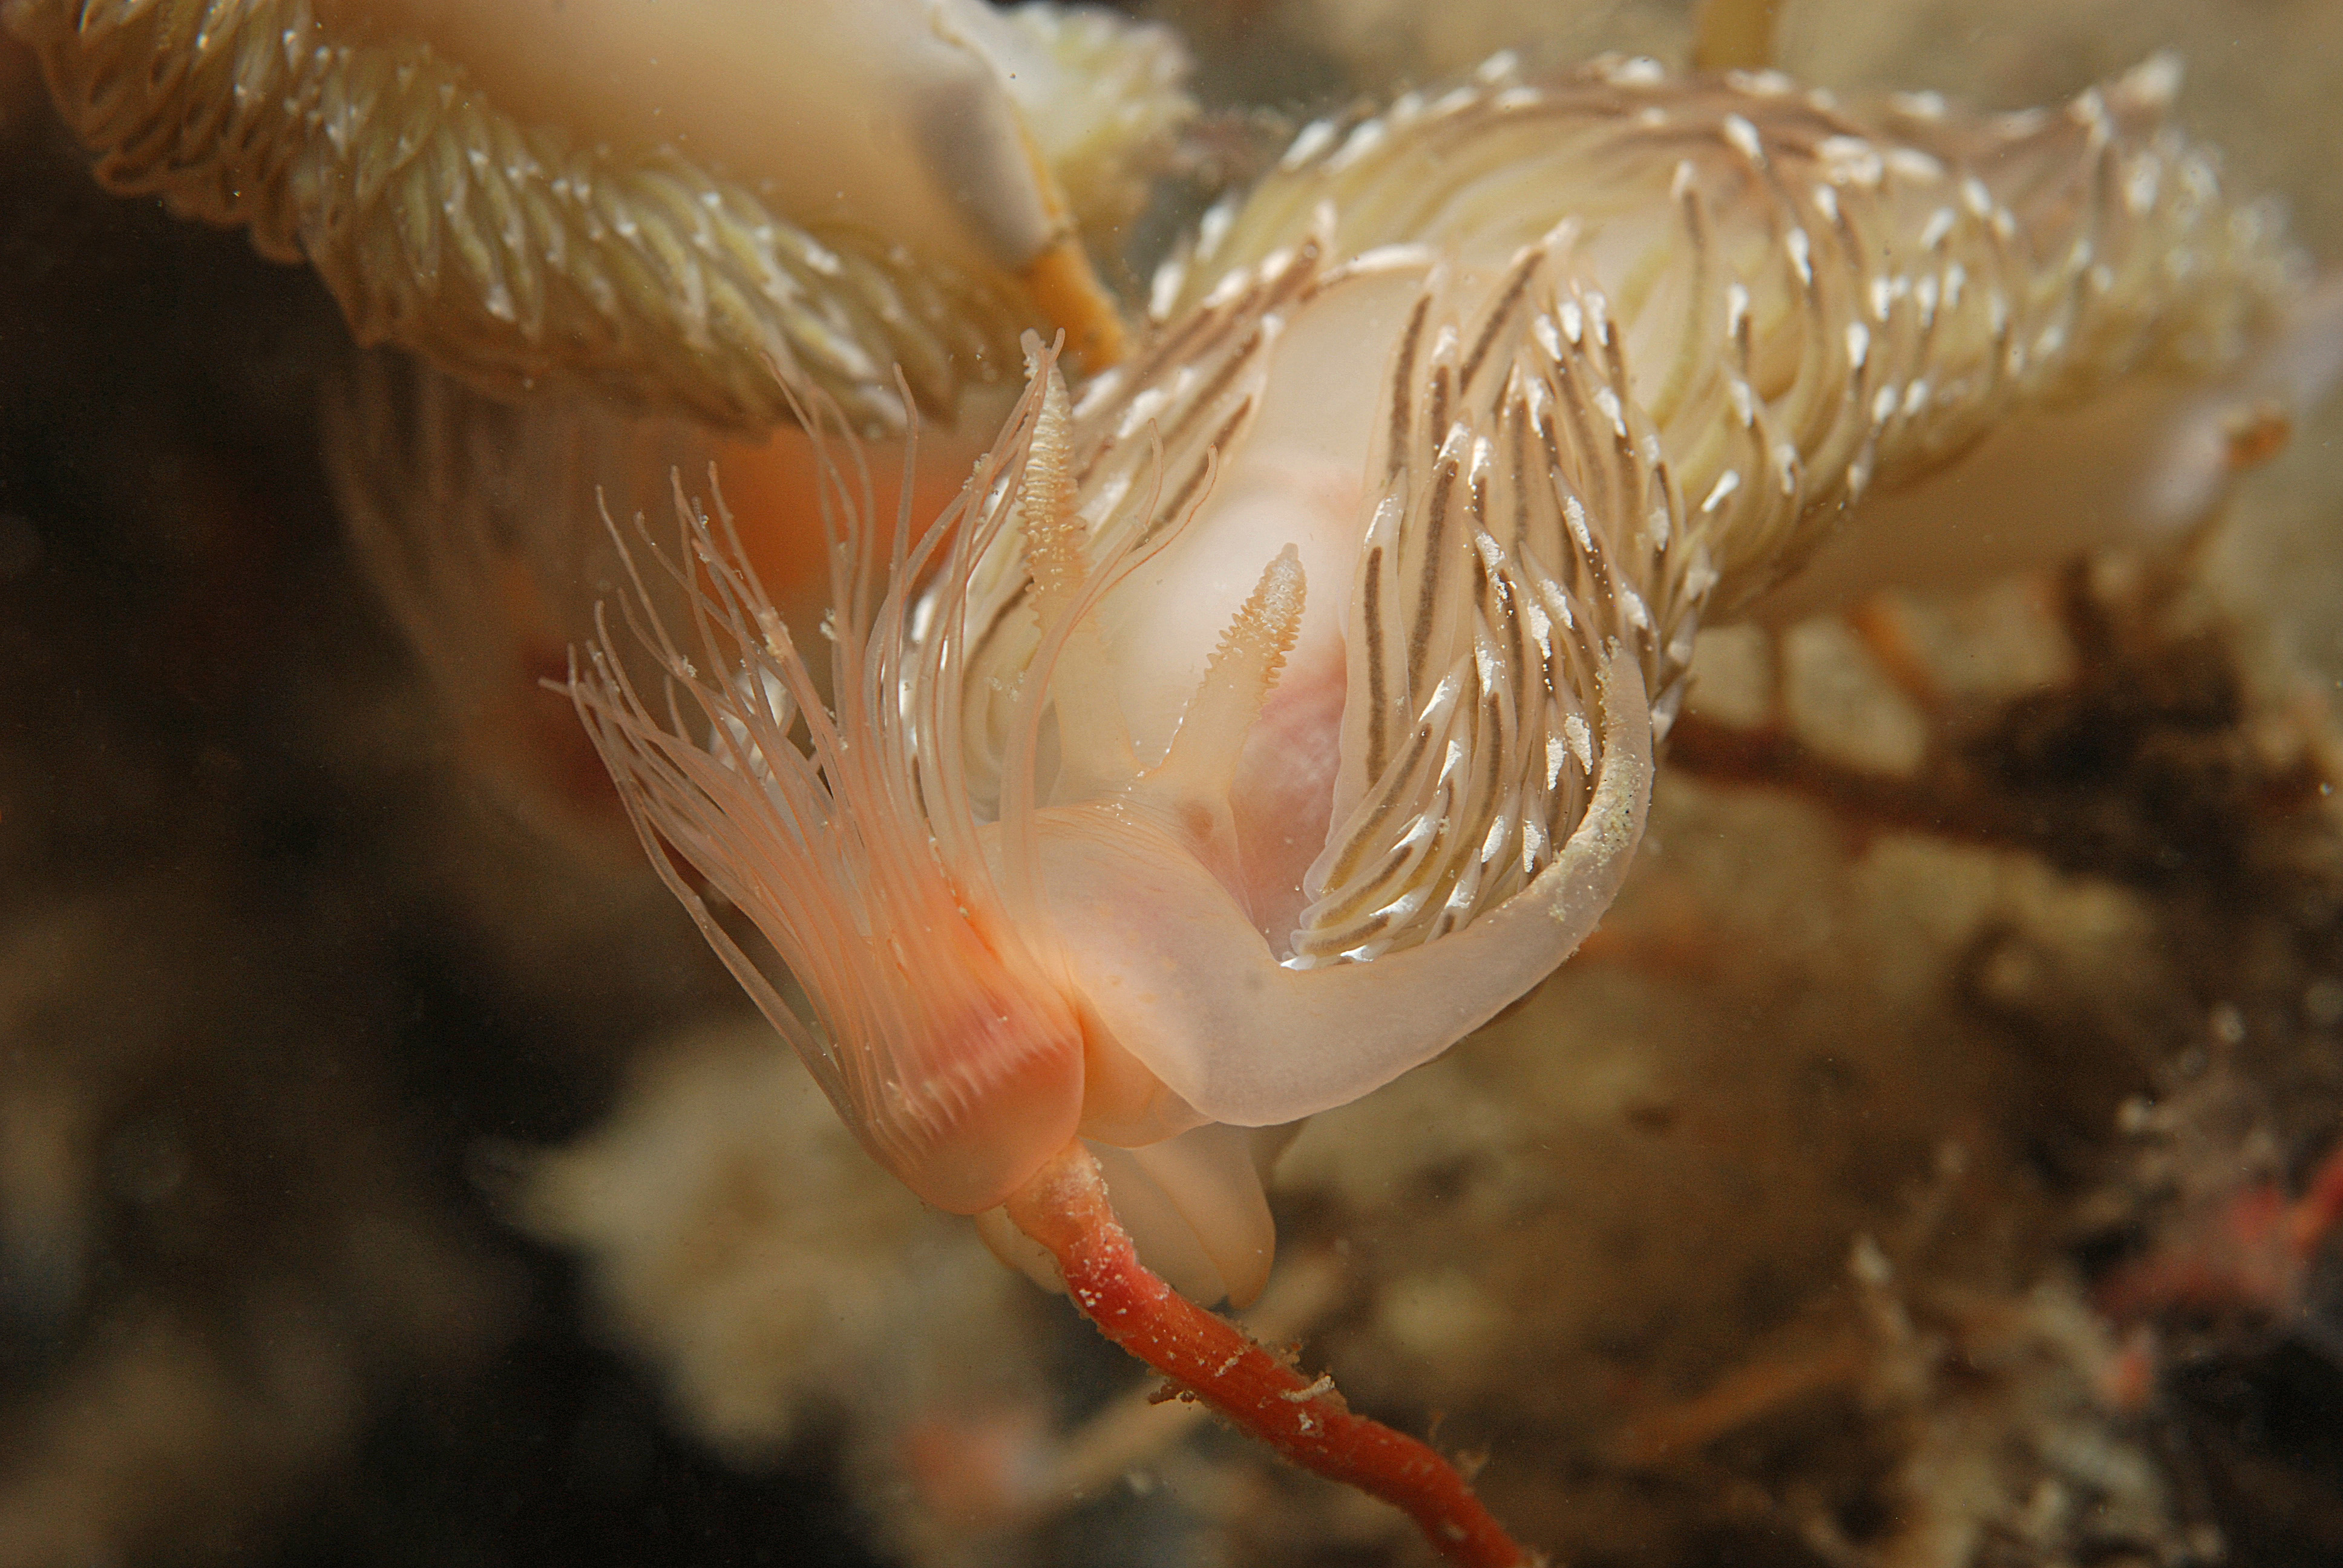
[(1064, 1207)]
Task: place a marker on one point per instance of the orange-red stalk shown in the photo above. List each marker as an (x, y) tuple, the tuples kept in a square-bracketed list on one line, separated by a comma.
[(1065, 1208)]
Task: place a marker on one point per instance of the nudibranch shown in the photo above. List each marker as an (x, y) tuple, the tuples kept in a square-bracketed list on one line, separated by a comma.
[(1265, 718), (684, 204)]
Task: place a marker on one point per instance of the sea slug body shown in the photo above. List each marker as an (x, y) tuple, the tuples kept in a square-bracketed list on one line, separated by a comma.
[(1268, 716)]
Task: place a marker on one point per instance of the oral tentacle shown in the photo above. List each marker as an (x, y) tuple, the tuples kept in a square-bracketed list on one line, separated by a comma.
[(1203, 762), (1093, 740)]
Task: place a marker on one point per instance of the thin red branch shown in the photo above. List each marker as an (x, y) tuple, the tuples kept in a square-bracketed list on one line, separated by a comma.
[(1065, 1208)]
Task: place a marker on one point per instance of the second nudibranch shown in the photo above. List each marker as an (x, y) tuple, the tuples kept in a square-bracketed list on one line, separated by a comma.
[(698, 207), (1269, 717)]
